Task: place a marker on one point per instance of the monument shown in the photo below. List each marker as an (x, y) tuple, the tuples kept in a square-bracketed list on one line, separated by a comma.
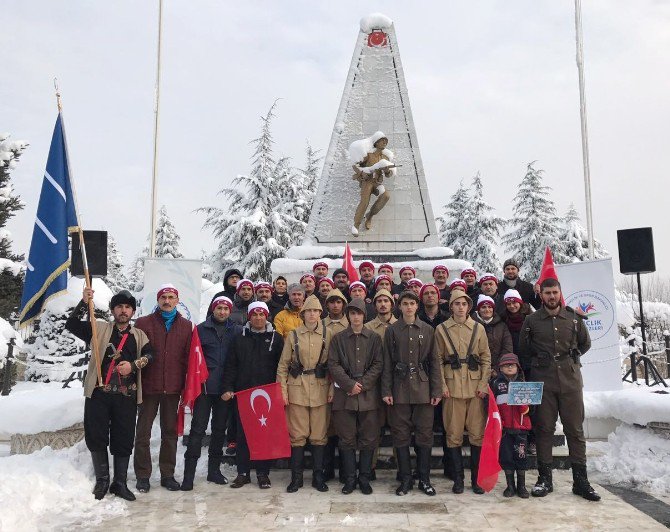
[(384, 209)]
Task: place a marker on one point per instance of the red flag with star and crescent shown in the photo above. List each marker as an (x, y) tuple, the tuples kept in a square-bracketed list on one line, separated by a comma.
[(196, 374), (548, 270), (263, 418), (348, 264), (489, 466)]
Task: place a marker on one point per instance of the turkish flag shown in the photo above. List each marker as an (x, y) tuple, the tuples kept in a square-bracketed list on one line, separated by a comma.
[(377, 39), (348, 264), (489, 466), (262, 414), (548, 270), (196, 375)]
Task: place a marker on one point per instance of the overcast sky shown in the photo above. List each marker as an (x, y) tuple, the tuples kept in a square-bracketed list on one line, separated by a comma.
[(492, 85)]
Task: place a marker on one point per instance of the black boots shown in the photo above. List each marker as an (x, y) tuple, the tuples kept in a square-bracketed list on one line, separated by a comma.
[(510, 490), (521, 490), (101, 469), (544, 484), (348, 470), (475, 453), (297, 464), (119, 487), (365, 471), (459, 475), (318, 481), (423, 466), (581, 485), (404, 471), (329, 459), (189, 474), (170, 484), (214, 471)]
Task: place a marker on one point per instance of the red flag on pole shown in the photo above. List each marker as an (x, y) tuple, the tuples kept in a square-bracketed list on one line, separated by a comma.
[(262, 414), (348, 264), (489, 466), (548, 270), (196, 375)]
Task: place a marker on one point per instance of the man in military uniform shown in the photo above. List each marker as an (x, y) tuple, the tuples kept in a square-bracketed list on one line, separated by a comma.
[(303, 374), (355, 362), (464, 350), (412, 386), (552, 340)]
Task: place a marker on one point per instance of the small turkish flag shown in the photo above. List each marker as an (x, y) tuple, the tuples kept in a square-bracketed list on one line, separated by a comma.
[(548, 270), (377, 39), (263, 419), (489, 466), (348, 264)]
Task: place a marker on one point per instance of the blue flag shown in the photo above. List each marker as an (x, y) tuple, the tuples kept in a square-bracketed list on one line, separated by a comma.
[(49, 256)]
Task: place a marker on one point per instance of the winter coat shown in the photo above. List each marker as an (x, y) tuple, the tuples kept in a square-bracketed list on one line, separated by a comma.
[(167, 372), (275, 308), (499, 337), (525, 290), (440, 317), (216, 350), (287, 320), (380, 326), (335, 326), (253, 359), (239, 312), (514, 324), (514, 418)]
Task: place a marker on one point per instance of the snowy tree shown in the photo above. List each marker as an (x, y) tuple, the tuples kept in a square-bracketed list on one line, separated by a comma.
[(167, 239), (11, 271), (309, 180), (116, 278), (259, 222), (575, 241), (534, 224), (136, 271), (453, 226)]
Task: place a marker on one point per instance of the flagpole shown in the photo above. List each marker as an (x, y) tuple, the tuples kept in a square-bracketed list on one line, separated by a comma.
[(82, 246), (154, 191)]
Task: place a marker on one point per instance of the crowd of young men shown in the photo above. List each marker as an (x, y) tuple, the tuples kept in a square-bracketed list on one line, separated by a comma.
[(351, 358)]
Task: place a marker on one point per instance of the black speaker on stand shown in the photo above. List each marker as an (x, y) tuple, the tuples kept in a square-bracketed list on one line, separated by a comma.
[(96, 254)]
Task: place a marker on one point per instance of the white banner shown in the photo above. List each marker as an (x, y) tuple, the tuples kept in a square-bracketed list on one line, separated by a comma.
[(590, 287), (184, 274)]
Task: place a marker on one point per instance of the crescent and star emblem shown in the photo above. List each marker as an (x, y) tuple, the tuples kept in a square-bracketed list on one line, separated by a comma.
[(264, 395)]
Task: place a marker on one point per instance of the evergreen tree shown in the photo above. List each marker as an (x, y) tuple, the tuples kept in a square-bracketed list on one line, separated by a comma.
[(534, 224), (454, 226), (11, 271), (136, 272), (575, 241), (116, 278), (309, 180), (167, 238)]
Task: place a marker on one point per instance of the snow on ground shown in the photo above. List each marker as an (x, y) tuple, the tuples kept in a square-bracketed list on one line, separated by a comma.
[(632, 405)]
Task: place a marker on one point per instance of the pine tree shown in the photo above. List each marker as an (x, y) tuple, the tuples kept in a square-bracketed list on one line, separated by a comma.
[(11, 271), (167, 238), (575, 240), (454, 226), (136, 271), (534, 224), (309, 180), (116, 278)]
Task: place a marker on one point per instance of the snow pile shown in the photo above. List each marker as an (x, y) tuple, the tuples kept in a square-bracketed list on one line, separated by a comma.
[(375, 21), (634, 457), (14, 267), (434, 253), (359, 149), (6, 333), (315, 252), (631, 405), (50, 490)]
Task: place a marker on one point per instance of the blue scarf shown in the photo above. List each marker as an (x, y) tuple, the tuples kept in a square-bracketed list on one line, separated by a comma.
[(169, 317)]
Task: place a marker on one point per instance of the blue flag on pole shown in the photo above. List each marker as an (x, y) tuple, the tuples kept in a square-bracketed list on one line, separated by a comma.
[(49, 256)]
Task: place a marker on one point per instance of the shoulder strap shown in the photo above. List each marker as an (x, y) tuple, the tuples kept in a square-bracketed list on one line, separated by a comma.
[(296, 349), (472, 338), (323, 343), (451, 342)]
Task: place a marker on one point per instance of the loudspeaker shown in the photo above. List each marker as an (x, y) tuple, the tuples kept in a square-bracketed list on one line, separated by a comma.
[(96, 253), (636, 250)]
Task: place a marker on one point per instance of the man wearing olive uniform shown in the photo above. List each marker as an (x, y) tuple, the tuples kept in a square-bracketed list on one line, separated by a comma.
[(551, 341)]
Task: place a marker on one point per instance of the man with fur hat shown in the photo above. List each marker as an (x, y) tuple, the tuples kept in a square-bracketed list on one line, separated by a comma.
[(464, 351), (355, 363), (303, 375), (109, 412), (162, 383), (412, 387), (289, 318)]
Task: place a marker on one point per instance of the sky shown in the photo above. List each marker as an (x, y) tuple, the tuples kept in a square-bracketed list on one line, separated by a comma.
[(492, 85)]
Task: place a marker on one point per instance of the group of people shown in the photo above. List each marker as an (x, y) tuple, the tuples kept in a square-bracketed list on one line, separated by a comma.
[(351, 358)]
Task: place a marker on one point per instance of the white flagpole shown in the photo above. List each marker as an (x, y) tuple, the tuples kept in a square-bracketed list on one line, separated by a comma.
[(154, 191), (585, 133)]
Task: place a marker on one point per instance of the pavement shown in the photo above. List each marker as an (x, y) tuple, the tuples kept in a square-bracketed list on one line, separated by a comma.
[(213, 507)]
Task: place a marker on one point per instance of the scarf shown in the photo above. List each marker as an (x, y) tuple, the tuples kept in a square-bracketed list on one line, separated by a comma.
[(169, 317), (515, 321)]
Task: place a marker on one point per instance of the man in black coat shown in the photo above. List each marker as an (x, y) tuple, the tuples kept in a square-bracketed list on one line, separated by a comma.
[(511, 280), (252, 361)]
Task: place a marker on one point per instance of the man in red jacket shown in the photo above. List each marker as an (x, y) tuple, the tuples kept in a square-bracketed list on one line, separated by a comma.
[(170, 336)]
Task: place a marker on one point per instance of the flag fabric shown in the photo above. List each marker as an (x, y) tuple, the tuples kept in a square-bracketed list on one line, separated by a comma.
[(548, 270), (489, 465), (196, 375), (348, 264), (49, 256), (262, 414)]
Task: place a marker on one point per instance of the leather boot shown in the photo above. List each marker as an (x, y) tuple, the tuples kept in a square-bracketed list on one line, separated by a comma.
[(404, 471), (459, 474), (581, 485), (189, 474), (544, 484), (119, 487), (475, 453), (329, 459), (423, 459), (510, 491), (214, 471), (348, 470), (317, 468), (297, 464), (101, 468), (365, 471), (521, 490)]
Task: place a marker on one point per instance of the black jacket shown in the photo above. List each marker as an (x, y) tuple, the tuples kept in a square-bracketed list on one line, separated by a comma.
[(525, 290), (216, 350)]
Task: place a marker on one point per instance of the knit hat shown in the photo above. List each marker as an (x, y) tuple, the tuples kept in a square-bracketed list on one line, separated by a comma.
[(358, 284), (426, 286), (339, 271), (415, 282), (317, 264), (256, 306), (408, 268), (221, 300), (508, 358), (358, 304), (263, 284), (325, 280), (123, 298), (513, 295), (458, 284), (511, 262), (336, 294), (458, 294), (485, 300), (470, 271), (366, 264), (307, 276), (383, 292), (382, 277), (385, 265), (488, 277), (243, 282), (441, 267), (167, 289)]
